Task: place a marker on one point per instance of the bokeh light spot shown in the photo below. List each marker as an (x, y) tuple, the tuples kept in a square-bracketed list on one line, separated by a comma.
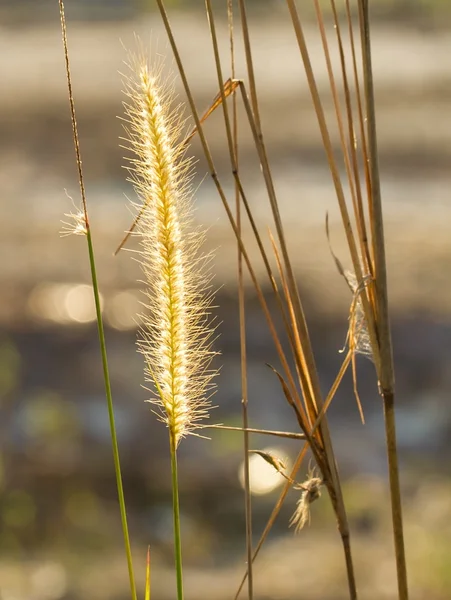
[(79, 304), (122, 310), (63, 303), (49, 581), (263, 477)]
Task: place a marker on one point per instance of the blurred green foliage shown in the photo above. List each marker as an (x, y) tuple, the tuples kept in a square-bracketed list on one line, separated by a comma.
[(48, 417), (18, 509)]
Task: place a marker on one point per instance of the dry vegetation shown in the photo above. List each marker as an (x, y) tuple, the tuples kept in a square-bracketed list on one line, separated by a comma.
[(355, 182)]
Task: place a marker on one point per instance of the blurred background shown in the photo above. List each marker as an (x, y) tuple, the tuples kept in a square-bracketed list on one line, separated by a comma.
[(60, 533)]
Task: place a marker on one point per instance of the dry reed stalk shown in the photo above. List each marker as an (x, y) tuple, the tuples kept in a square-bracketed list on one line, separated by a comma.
[(233, 145), (302, 351), (386, 373), (367, 251)]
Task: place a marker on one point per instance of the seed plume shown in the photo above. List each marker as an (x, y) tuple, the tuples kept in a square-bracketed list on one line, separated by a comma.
[(311, 491), (176, 335)]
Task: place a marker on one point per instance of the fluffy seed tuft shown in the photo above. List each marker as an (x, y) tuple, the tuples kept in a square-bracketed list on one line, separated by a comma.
[(76, 225), (311, 491)]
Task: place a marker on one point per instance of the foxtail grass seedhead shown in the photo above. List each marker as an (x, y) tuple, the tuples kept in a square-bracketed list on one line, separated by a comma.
[(311, 491), (176, 336)]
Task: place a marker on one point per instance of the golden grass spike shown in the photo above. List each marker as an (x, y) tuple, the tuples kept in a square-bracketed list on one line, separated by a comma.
[(229, 88), (176, 336)]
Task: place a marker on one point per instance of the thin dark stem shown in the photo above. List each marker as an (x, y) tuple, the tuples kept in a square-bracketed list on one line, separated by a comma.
[(242, 313), (377, 223), (395, 493), (327, 143), (73, 116), (335, 487), (386, 371), (284, 434), (101, 333)]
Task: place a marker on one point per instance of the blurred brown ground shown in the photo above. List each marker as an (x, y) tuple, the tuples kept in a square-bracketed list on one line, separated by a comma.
[(414, 122)]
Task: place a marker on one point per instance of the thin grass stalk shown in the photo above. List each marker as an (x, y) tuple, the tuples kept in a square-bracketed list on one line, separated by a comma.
[(319, 457), (358, 92), (240, 188), (350, 156), (386, 374), (261, 149), (100, 329), (338, 109), (335, 173), (360, 214), (250, 66), (176, 516), (342, 370), (275, 511), (241, 308), (231, 136), (325, 459), (301, 417), (377, 224), (254, 120), (302, 370), (282, 434)]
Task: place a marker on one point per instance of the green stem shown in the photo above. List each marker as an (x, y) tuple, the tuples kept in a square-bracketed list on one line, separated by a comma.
[(176, 513), (109, 398), (95, 287)]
